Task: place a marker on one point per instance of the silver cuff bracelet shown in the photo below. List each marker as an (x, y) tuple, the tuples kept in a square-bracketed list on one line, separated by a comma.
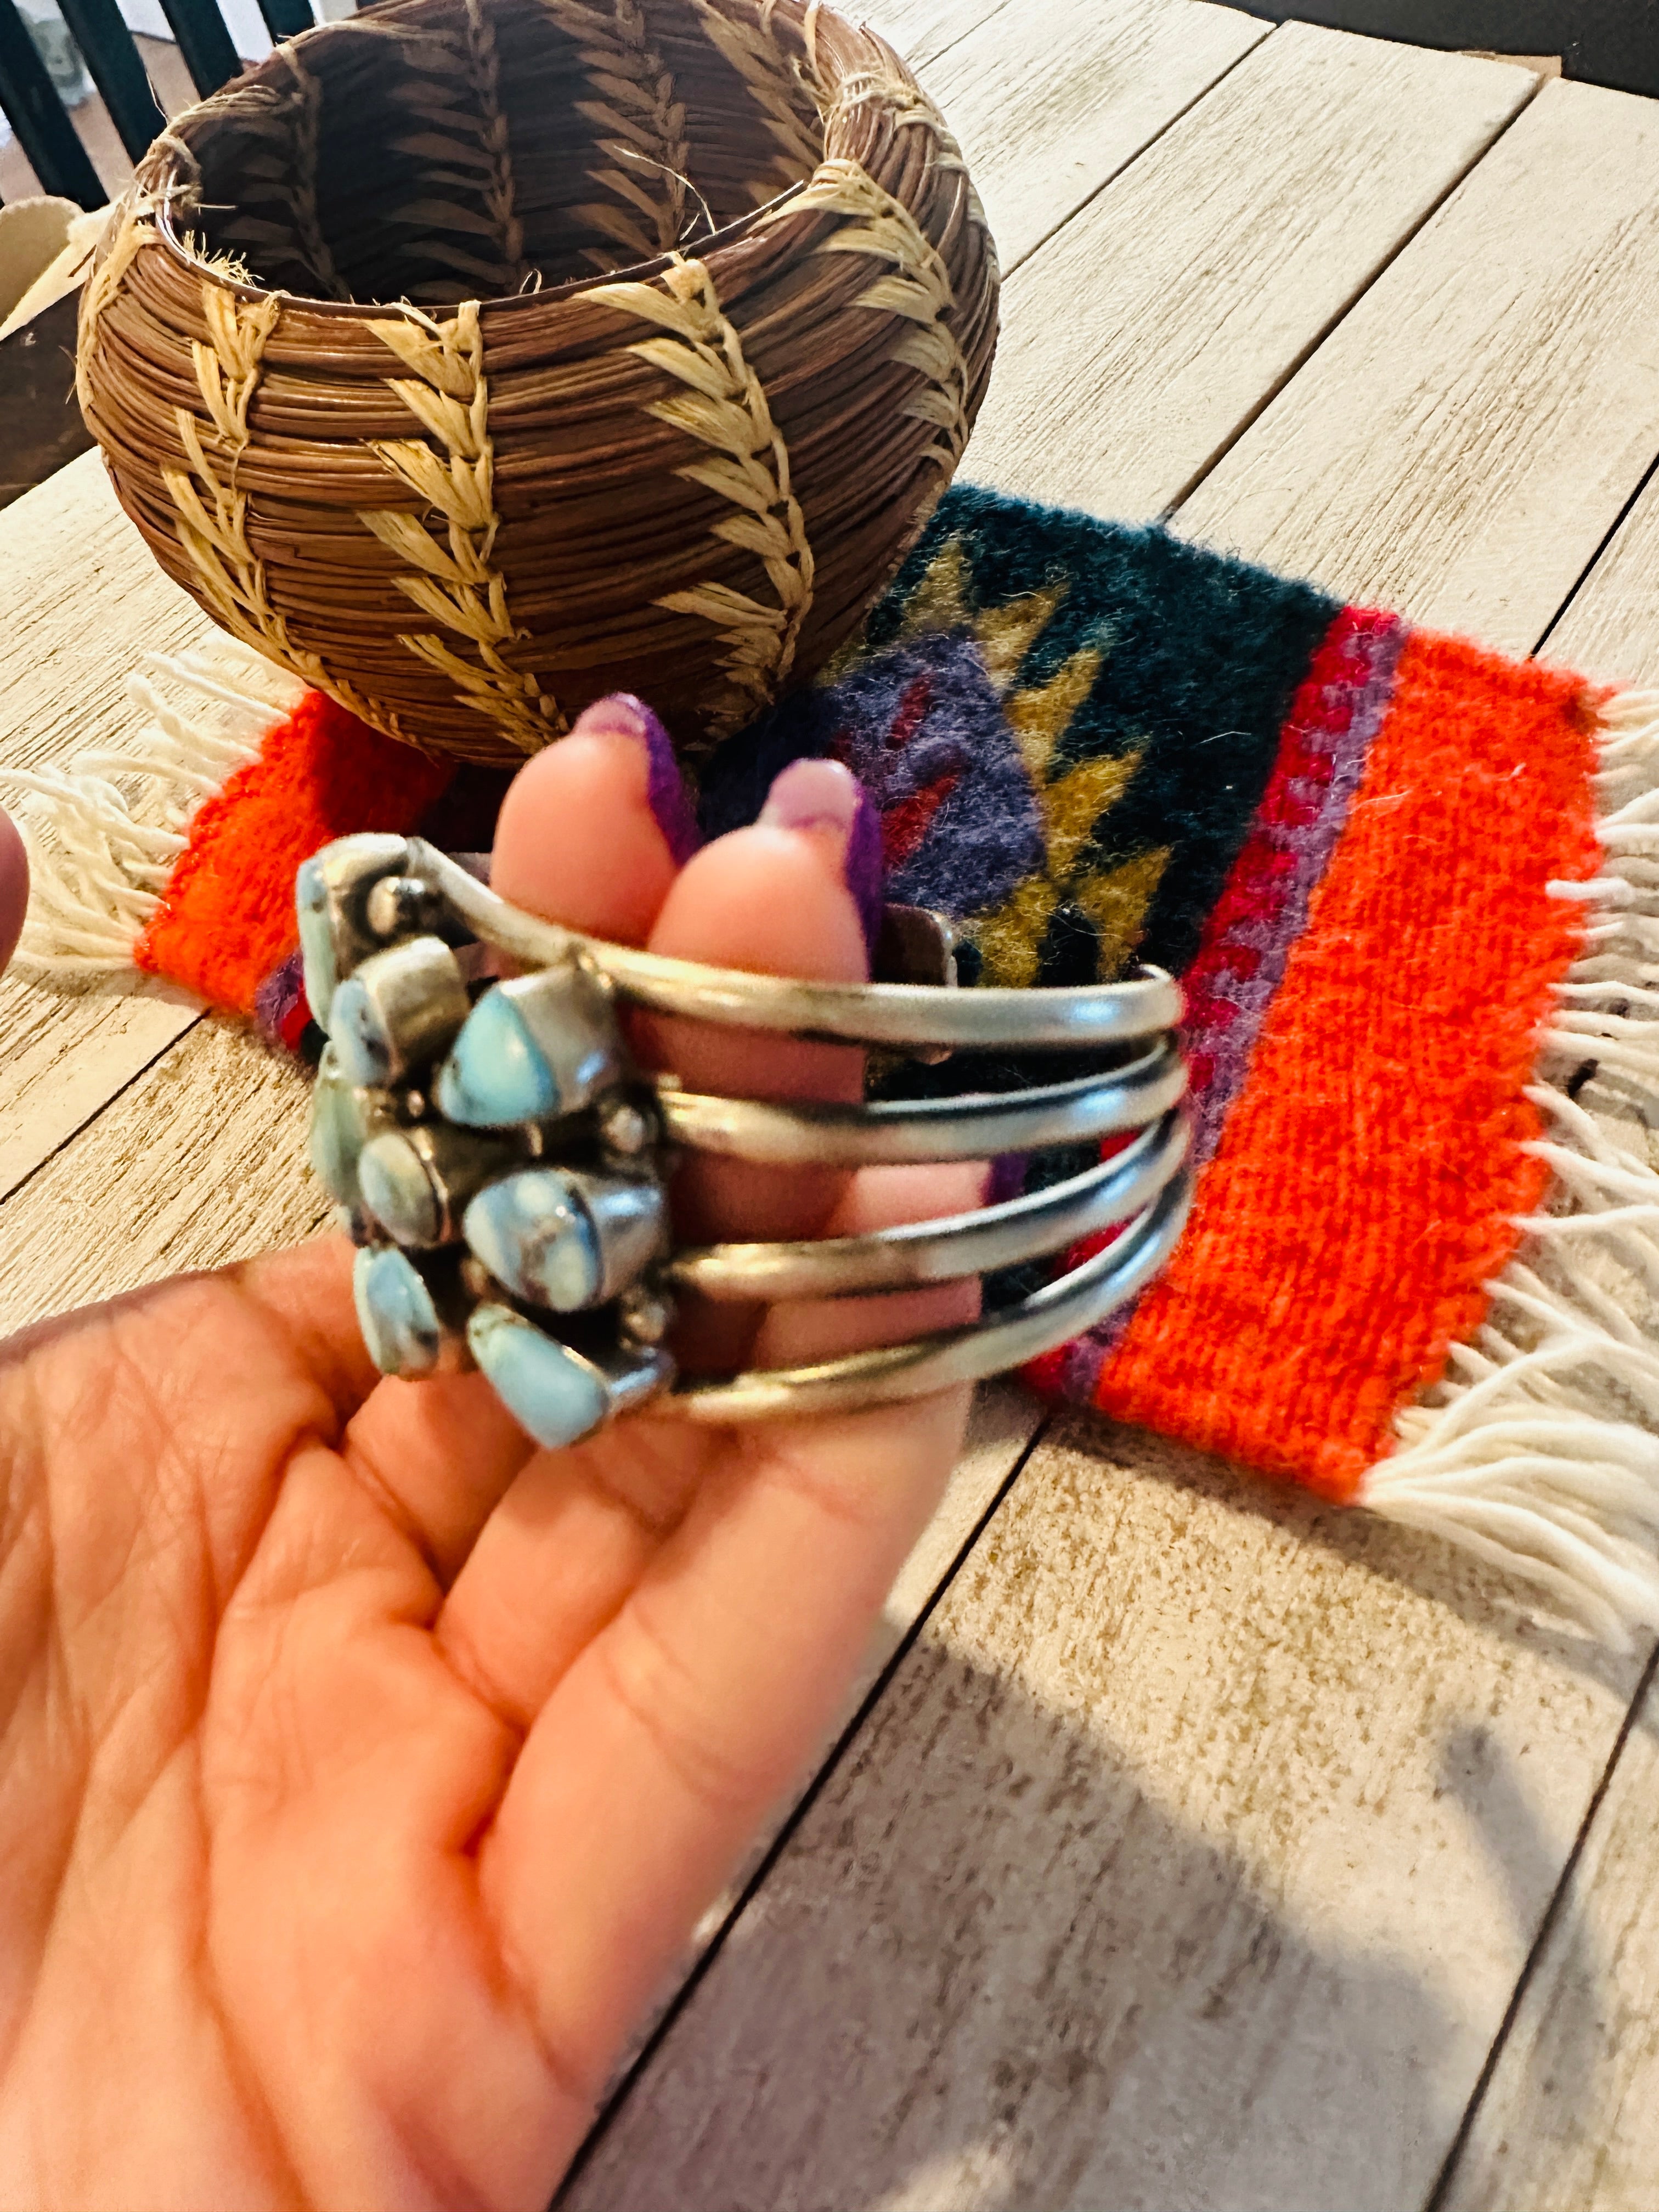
[(503, 1162)]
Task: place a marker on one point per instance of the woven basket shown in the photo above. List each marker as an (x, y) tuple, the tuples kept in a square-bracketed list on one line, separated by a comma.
[(368, 380)]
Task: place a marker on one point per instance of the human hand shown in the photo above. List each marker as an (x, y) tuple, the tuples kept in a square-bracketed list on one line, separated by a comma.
[(365, 1769)]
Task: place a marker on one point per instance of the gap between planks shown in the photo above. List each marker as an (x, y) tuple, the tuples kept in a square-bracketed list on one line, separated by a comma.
[(972, 471), (1566, 2115), (1144, 337), (1499, 353), (1215, 1894), (83, 601)]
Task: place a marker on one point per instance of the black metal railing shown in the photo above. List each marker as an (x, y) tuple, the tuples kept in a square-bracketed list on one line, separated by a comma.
[(36, 109)]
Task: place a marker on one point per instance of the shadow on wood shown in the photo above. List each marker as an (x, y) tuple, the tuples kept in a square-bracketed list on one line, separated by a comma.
[(1155, 1879)]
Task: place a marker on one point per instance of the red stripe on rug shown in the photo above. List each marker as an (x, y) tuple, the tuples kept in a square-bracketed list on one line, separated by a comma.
[(226, 916), (1365, 1181)]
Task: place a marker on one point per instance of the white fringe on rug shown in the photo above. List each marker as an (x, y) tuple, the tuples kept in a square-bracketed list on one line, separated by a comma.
[(105, 834), (1540, 1451)]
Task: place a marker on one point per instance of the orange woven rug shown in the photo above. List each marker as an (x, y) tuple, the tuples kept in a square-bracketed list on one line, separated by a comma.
[(1407, 883)]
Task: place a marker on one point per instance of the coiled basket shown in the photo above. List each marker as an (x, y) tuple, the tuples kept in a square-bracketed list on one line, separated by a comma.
[(473, 358)]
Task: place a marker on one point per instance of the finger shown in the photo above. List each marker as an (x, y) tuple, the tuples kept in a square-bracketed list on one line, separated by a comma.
[(591, 830), (667, 1740), (796, 894), (13, 886), (779, 897), (588, 835), (576, 1531)]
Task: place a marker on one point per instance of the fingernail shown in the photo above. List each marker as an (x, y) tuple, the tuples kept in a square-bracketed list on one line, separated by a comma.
[(623, 716), (13, 886), (823, 795)]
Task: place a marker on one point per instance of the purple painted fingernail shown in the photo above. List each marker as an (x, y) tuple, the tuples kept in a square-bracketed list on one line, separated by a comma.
[(623, 716), (822, 794)]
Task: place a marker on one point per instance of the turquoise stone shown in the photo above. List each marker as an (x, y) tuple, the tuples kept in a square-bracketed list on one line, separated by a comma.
[(397, 1190), (496, 1074), (336, 1131), (551, 1391), (395, 1312), (356, 1031), (316, 939), (533, 1233)]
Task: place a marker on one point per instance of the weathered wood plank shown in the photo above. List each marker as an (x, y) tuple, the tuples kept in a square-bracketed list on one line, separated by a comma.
[(1611, 626), (81, 601), (1193, 1852), (1138, 64), (1570, 2121), (1189, 1859), (1459, 446), (60, 1065), (1144, 337), (1049, 105), (200, 1162), (922, 30)]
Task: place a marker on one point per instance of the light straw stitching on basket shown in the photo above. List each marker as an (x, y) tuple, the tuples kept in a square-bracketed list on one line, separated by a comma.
[(918, 290), (133, 232), (305, 119), (484, 68), (791, 108), (907, 107), (454, 137), (644, 122), (454, 581), (725, 406), (215, 538)]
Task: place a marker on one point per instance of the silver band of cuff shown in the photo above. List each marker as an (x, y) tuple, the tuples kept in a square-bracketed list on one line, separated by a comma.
[(504, 1163)]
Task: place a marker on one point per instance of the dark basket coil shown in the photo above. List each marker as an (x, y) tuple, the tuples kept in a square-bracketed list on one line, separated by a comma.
[(473, 358)]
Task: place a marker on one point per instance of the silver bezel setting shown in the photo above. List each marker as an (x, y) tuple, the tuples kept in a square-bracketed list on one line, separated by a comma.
[(494, 1133)]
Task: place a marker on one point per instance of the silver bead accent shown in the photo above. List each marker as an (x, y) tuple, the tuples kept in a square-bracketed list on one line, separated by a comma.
[(644, 1316), (401, 906), (624, 1130)]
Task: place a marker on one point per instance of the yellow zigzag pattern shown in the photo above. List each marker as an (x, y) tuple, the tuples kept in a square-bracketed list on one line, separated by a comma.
[(1115, 899)]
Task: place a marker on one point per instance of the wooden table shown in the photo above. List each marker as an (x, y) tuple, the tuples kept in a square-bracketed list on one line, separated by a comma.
[(1191, 1846)]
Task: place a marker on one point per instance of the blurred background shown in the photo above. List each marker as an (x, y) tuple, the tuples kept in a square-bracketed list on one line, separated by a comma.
[(86, 84)]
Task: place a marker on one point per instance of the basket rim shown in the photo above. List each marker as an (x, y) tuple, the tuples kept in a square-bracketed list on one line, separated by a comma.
[(731, 234), (165, 185)]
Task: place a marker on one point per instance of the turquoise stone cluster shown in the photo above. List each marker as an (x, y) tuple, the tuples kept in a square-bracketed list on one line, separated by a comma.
[(489, 1144)]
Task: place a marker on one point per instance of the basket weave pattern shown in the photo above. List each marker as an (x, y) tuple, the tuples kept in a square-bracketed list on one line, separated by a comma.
[(473, 358)]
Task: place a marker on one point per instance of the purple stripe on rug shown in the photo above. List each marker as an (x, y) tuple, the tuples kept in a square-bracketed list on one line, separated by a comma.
[(1240, 963), (1264, 908)]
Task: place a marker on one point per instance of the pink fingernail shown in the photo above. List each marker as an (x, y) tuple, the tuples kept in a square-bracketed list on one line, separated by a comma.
[(822, 794), (623, 716), (13, 886)]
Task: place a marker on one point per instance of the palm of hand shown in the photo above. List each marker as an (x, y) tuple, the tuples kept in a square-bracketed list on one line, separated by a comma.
[(365, 1769)]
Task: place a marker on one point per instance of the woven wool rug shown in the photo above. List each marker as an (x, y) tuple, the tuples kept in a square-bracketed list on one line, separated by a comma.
[(1411, 888)]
